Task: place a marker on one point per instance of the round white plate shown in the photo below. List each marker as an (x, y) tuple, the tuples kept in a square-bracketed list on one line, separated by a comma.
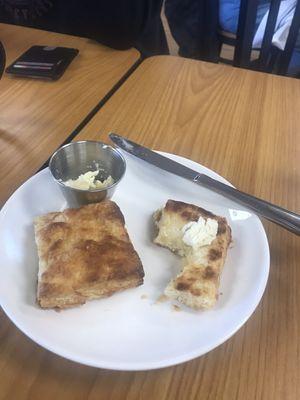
[(131, 330)]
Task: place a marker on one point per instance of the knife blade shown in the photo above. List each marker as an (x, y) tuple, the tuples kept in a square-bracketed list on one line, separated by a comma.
[(153, 158), (287, 219)]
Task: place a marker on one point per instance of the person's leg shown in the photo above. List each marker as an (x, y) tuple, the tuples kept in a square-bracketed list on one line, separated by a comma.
[(183, 19), (194, 25), (153, 40)]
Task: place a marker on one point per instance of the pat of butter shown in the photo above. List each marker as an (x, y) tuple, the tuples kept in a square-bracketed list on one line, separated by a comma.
[(200, 233), (88, 181)]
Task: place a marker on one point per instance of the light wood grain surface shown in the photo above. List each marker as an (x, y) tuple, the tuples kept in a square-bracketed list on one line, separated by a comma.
[(37, 116), (244, 125)]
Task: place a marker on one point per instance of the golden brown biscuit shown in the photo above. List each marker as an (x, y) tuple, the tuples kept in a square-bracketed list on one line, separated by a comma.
[(84, 254), (197, 284)]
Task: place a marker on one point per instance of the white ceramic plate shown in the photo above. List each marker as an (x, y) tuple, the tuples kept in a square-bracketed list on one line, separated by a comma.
[(131, 330)]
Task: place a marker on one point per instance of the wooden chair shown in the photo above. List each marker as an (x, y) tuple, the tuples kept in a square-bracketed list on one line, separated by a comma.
[(270, 58)]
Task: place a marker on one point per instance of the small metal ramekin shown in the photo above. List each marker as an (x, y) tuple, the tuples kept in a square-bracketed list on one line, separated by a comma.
[(77, 158)]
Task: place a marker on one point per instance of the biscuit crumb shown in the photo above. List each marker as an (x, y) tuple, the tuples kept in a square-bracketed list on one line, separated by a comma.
[(176, 308), (162, 298)]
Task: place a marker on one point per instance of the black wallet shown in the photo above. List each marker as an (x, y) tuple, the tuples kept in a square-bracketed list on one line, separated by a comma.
[(44, 62)]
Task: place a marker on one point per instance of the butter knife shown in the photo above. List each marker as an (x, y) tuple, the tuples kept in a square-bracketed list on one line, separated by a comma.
[(287, 219)]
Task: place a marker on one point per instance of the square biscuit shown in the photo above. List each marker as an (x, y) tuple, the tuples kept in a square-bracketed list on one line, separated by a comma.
[(84, 254)]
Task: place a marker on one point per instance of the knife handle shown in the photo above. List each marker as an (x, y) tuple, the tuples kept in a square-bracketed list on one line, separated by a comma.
[(287, 219)]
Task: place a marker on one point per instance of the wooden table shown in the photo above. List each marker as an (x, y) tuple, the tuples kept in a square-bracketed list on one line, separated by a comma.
[(37, 116), (244, 125)]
